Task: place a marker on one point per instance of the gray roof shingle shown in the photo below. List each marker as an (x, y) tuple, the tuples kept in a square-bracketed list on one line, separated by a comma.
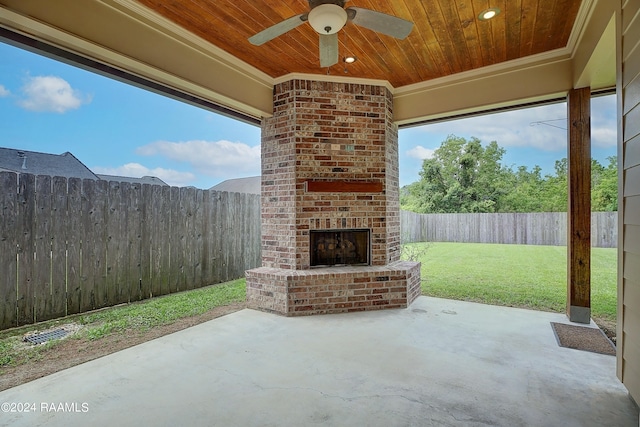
[(249, 185), (32, 162), (144, 180)]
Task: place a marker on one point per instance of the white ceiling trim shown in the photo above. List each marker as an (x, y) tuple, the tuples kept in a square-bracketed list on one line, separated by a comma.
[(159, 23)]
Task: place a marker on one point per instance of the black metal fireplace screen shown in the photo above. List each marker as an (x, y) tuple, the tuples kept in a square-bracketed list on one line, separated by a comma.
[(339, 247)]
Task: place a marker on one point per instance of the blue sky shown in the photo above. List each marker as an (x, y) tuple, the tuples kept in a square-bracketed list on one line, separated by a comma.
[(118, 129)]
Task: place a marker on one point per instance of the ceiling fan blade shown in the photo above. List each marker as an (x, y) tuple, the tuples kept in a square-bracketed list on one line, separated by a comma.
[(277, 30), (328, 49), (380, 22)]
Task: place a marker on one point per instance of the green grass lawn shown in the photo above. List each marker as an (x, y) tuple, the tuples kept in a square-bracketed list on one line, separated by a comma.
[(125, 319), (514, 275), (162, 310), (511, 275)]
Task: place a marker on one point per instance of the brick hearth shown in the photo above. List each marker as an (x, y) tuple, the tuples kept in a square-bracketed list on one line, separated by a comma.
[(330, 162)]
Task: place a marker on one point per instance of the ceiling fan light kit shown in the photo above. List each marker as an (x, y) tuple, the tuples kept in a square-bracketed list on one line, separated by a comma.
[(327, 18)]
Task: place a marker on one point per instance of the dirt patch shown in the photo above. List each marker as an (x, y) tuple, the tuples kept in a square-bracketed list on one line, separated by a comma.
[(608, 327), (71, 352)]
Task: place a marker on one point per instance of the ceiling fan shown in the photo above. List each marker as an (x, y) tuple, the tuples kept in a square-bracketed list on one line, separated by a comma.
[(328, 17)]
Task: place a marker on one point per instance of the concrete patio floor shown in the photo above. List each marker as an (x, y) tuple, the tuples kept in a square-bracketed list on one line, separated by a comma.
[(439, 362)]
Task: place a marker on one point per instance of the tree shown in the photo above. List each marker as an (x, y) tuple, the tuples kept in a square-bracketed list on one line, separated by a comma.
[(554, 191), (462, 176), (604, 186), (525, 194)]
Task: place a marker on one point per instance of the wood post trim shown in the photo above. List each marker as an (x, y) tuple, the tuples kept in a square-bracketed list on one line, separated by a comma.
[(579, 206)]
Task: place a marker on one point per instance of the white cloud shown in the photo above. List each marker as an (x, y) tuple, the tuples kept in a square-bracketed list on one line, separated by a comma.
[(223, 159), (50, 94), (4, 92), (604, 133), (542, 127), (419, 152), (604, 137), (533, 127), (136, 170)]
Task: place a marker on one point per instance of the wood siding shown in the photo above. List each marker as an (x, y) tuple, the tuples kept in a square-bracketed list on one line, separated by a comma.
[(68, 245), (548, 228), (629, 152)]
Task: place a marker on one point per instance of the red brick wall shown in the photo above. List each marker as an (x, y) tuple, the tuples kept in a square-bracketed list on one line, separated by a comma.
[(333, 290), (328, 131)]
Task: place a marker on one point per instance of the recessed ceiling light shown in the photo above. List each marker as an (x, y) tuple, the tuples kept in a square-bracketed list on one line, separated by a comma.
[(350, 59), (487, 14)]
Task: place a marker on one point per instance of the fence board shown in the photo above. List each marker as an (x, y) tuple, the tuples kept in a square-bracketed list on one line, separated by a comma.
[(59, 227), (154, 234), (216, 238), (229, 233), (206, 234), (25, 245), (134, 225), (75, 233), (8, 230), (198, 223), (176, 240), (187, 204), (88, 298), (42, 290), (100, 215), (113, 233), (146, 223), (224, 239), (164, 228)]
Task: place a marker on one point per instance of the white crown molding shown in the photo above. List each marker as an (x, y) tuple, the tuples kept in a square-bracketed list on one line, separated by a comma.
[(334, 78), (159, 23), (488, 71), (580, 24)]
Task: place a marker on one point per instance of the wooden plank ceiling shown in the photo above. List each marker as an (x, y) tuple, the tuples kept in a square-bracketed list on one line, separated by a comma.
[(447, 37)]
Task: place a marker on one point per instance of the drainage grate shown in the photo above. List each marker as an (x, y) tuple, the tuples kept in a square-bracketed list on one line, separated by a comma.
[(46, 336)]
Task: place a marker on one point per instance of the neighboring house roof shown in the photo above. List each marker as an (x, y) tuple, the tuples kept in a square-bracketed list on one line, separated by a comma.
[(65, 164), (249, 185), (32, 162), (144, 180)]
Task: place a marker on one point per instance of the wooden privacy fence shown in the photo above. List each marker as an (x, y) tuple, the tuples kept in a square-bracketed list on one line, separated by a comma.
[(510, 228), (69, 245)]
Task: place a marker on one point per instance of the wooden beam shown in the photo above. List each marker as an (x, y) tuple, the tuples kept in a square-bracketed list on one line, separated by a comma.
[(579, 208), (341, 186)]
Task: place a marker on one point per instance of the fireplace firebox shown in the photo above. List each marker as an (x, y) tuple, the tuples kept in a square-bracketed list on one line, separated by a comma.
[(339, 247)]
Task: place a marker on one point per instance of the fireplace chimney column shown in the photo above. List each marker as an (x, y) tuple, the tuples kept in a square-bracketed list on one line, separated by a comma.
[(330, 163)]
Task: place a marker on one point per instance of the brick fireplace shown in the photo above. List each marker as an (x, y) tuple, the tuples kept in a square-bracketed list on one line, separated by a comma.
[(330, 203)]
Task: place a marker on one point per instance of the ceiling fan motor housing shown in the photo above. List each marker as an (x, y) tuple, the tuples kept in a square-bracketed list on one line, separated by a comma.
[(328, 18)]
